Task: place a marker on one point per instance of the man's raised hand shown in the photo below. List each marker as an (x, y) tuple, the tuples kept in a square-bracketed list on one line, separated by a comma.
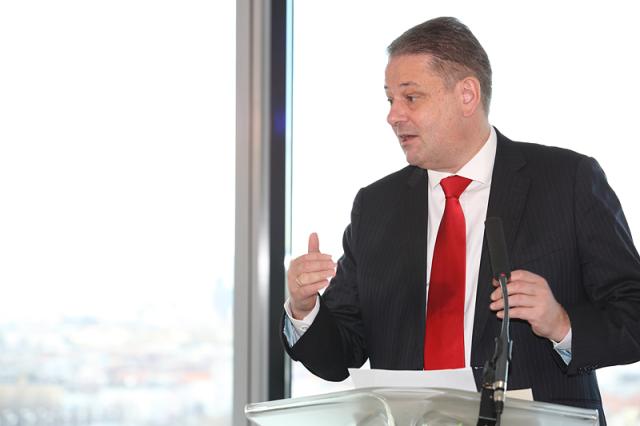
[(307, 275)]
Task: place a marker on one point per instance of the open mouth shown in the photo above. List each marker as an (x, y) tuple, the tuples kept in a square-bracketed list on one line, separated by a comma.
[(406, 138)]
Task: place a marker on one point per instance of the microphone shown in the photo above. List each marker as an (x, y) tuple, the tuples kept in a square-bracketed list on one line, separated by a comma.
[(497, 247), (496, 371)]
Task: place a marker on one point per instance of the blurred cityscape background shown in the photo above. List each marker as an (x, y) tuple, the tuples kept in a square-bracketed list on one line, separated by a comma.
[(96, 371)]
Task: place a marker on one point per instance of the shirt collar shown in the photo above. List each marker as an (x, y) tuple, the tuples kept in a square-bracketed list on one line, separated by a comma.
[(478, 169)]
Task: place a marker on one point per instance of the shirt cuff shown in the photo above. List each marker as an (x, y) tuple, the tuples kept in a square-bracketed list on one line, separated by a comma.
[(563, 348), (293, 328), (564, 344)]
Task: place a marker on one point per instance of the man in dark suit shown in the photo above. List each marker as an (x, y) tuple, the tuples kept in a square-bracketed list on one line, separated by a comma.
[(398, 297)]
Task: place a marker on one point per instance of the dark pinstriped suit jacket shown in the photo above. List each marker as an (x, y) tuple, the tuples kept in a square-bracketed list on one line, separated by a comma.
[(561, 221)]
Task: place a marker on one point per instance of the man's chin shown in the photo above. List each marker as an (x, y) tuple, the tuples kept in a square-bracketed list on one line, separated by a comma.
[(414, 160)]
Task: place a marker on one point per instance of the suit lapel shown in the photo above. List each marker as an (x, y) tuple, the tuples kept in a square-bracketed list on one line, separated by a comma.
[(415, 217), (506, 201)]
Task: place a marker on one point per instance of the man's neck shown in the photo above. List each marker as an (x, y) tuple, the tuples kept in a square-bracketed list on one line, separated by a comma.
[(475, 140)]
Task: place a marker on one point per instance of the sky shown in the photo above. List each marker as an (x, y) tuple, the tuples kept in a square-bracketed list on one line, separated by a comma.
[(117, 159)]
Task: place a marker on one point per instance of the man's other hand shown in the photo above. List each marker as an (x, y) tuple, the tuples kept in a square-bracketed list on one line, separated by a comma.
[(307, 275), (531, 299)]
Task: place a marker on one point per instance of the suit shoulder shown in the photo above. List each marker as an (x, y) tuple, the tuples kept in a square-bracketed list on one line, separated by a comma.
[(534, 151), (388, 190), (395, 180), (551, 160)]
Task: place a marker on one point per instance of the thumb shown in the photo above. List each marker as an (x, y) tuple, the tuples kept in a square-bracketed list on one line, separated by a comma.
[(314, 243)]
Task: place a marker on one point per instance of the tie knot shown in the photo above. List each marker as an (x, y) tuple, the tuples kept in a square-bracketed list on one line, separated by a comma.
[(454, 185)]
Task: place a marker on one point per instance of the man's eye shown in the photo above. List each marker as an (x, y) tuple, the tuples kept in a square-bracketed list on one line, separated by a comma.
[(411, 98)]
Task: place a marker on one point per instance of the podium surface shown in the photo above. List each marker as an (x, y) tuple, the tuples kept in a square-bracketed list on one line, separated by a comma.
[(408, 406)]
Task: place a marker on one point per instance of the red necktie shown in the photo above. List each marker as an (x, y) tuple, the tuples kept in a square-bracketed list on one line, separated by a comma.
[(444, 331)]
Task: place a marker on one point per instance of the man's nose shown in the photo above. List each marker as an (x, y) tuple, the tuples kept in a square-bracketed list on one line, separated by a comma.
[(397, 114)]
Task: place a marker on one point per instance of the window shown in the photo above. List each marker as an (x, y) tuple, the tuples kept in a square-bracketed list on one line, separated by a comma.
[(117, 135)]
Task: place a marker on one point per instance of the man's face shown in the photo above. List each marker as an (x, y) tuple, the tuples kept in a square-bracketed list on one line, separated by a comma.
[(424, 114)]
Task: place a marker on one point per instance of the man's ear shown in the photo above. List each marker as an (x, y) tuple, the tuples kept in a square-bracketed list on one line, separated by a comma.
[(470, 92)]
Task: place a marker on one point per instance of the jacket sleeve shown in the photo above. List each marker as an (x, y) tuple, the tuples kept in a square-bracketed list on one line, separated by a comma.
[(335, 340), (606, 329)]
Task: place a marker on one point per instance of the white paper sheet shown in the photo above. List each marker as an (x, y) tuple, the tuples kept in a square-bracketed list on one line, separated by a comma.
[(460, 378)]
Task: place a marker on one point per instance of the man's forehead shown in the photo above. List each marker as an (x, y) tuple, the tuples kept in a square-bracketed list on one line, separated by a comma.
[(404, 84), (411, 70), (410, 60)]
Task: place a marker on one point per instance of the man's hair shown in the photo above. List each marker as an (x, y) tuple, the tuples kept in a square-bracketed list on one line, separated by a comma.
[(456, 52)]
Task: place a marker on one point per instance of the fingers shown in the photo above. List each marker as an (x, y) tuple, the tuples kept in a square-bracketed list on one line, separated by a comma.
[(518, 300), (550, 324), (516, 288), (311, 268), (314, 266), (312, 262), (521, 282), (310, 272), (531, 299), (525, 289), (310, 290), (307, 275), (522, 275), (308, 278), (526, 314), (310, 257), (314, 243), (303, 289)]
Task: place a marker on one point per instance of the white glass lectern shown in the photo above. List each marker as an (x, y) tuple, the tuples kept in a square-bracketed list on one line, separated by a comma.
[(408, 407)]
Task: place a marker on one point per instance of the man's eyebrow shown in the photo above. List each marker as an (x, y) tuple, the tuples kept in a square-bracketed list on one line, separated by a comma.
[(404, 84)]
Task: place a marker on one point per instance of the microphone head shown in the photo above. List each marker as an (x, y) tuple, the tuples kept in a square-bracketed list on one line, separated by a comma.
[(497, 247)]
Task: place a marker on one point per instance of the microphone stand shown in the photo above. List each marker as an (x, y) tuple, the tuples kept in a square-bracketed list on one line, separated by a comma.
[(495, 372)]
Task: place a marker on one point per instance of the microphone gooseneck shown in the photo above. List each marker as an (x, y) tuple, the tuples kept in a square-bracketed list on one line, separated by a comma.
[(496, 370)]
